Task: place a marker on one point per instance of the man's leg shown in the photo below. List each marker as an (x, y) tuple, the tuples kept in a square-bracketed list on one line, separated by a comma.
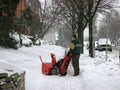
[(75, 63)]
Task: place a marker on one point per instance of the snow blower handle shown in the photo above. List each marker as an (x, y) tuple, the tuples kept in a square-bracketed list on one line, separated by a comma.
[(68, 55), (41, 59)]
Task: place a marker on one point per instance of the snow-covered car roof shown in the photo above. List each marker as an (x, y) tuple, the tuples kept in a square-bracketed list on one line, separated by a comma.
[(103, 41)]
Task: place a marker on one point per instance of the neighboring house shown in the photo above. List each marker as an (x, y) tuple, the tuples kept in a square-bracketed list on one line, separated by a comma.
[(20, 7), (34, 5)]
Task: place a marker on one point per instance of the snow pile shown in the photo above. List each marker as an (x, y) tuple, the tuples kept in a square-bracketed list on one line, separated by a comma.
[(14, 35), (25, 40), (10, 69)]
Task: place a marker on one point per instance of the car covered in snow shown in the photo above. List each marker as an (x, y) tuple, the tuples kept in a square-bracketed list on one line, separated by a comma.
[(104, 44)]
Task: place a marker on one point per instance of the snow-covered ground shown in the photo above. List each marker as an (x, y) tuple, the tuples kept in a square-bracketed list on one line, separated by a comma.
[(96, 73)]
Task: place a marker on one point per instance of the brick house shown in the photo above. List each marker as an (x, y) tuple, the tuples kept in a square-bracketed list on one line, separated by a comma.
[(34, 6), (20, 7)]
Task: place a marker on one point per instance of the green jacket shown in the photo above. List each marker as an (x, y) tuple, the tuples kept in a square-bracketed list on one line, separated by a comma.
[(75, 47)]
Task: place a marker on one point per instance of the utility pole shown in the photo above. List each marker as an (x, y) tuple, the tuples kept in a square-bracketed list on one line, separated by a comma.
[(109, 20), (119, 56), (106, 43)]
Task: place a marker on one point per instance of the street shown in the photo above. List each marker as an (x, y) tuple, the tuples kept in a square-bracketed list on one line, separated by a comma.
[(116, 48)]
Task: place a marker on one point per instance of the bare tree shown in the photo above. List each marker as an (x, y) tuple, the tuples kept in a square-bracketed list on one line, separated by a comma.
[(73, 12), (111, 22), (48, 15)]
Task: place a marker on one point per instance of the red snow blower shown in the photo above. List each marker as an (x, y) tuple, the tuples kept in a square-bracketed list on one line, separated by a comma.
[(55, 68)]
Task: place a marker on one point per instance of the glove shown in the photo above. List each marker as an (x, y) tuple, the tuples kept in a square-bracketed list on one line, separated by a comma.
[(69, 55)]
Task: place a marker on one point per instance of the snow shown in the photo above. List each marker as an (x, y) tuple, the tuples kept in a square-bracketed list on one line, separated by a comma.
[(7, 68), (25, 40), (14, 35), (96, 73)]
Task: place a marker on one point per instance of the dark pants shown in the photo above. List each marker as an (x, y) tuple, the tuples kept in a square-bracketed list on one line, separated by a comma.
[(75, 64)]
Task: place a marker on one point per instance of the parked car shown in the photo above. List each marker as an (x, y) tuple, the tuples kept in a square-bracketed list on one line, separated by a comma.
[(102, 45)]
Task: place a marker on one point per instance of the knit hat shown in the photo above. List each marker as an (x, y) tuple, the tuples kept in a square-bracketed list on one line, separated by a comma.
[(74, 36)]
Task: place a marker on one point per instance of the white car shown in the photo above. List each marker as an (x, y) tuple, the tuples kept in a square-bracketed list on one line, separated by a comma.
[(104, 44)]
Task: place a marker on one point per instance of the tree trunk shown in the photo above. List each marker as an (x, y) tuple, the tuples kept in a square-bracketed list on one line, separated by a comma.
[(80, 36), (90, 32), (80, 30), (90, 39)]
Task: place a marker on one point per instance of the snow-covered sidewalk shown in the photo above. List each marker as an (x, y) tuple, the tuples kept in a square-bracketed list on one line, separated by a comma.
[(96, 73)]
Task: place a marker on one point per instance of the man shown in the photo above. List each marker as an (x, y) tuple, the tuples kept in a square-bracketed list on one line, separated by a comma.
[(75, 50)]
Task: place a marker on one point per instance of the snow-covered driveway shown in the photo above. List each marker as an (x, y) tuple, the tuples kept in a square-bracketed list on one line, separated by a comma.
[(96, 73)]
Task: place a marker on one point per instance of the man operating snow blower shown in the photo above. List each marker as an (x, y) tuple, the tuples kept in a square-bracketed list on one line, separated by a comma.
[(75, 50), (60, 67)]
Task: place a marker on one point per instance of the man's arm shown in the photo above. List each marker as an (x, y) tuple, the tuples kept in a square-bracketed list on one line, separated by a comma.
[(72, 46)]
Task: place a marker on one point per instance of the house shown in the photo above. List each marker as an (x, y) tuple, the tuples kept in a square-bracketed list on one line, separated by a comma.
[(35, 8), (33, 4), (20, 7)]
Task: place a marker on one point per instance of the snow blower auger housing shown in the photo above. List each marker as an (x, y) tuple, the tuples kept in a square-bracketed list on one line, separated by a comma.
[(55, 68)]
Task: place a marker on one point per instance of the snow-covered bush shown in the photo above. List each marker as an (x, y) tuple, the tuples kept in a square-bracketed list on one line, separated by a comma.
[(46, 42), (38, 42), (26, 41), (42, 42), (14, 40)]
